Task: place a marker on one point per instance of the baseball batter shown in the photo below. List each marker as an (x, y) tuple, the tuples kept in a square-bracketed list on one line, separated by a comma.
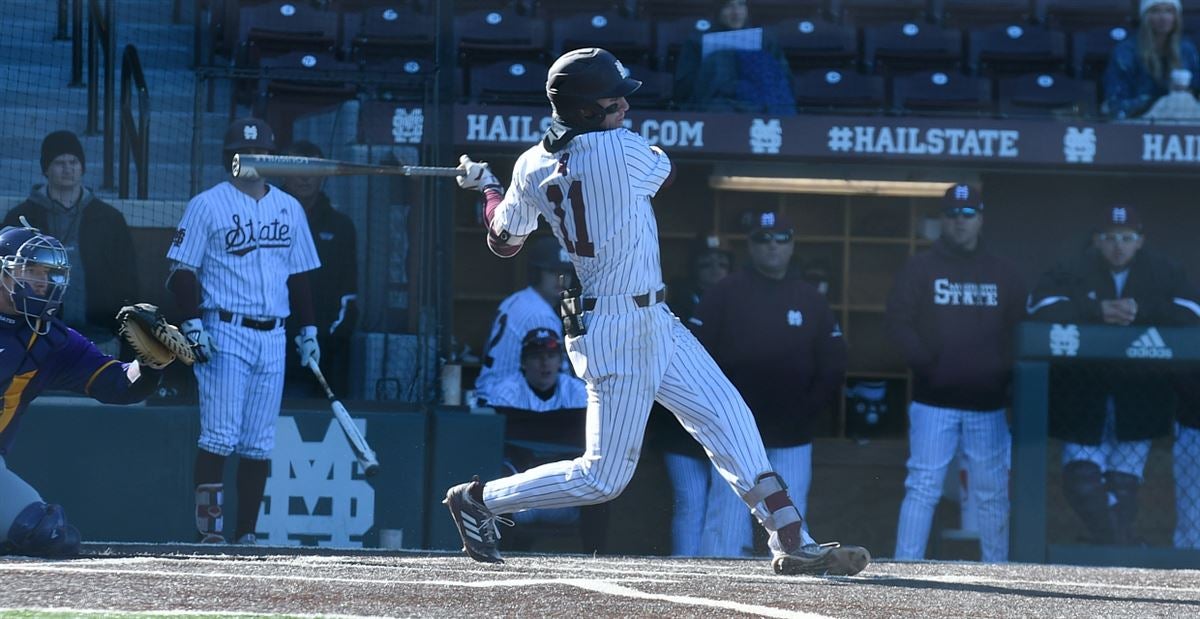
[(43, 353), (592, 180), (239, 258)]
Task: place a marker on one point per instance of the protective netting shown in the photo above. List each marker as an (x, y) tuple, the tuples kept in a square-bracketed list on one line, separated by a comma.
[(1124, 462)]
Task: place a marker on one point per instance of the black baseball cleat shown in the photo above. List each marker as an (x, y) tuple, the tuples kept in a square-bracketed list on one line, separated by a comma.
[(476, 523), (829, 559)]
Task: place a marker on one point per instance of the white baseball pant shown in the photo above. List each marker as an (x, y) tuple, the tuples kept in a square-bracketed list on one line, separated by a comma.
[(1186, 456), (934, 435), (1111, 454), (630, 357), (241, 388), (728, 530)]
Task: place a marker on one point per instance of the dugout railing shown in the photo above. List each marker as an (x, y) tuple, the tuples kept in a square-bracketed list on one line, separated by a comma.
[(1042, 349)]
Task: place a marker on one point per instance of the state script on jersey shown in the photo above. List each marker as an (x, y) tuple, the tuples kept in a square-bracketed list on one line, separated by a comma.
[(244, 250), (595, 194)]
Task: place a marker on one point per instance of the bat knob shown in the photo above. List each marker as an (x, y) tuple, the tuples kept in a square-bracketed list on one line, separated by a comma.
[(371, 470)]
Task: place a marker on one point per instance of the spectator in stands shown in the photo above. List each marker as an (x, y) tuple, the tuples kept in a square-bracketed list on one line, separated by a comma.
[(741, 80), (776, 338), (1140, 68), (1107, 414), (545, 410), (532, 307), (952, 312), (686, 463), (334, 285), (104, 270)]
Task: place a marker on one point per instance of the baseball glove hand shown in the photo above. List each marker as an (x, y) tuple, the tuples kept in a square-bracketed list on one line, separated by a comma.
[(155, 341), (476, 175)]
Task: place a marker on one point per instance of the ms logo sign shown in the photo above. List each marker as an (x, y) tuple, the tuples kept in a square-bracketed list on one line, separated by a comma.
[(312, 494)]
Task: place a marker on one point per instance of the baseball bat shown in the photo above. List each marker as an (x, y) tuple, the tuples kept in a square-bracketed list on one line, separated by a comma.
[(362, 451), (256, 166)]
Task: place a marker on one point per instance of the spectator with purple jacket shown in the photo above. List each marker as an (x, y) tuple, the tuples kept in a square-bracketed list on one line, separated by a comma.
[(952, 312), (776, 338)]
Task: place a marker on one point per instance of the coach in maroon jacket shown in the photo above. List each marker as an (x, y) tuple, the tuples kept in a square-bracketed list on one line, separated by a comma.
[(952, 311), (775, 337)]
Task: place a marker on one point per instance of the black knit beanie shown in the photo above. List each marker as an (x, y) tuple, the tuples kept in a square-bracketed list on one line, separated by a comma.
[(61, 143)]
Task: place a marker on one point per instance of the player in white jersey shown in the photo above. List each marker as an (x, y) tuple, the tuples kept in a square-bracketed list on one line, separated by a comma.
[(238, 264), (532, 307), (592, 180), (540, 386)]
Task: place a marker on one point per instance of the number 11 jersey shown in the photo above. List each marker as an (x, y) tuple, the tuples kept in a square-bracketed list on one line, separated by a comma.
[(595, 194)]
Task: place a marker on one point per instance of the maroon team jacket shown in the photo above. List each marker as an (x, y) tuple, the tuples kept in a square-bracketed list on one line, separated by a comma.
[(952, 313), (780, 345)]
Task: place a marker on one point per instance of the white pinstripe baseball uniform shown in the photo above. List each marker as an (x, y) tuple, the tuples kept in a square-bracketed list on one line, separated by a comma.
[(518, 314), (243, 252), (513, 391), (595, 193)]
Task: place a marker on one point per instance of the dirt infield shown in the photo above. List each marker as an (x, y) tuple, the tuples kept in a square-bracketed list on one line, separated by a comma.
[(186, 580)]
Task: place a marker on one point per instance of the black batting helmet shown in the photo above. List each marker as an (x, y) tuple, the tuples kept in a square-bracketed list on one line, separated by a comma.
[(243, 134), (581, 76)]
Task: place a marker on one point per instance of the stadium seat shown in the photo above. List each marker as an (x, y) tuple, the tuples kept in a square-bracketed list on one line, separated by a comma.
[(1046, 94), (809, 44), (407, 78), (501, 33), (763, 12), (284, 94), (867, 12), (671, 10), (942, 92), (628, 39), (911, 46), (657, 87), (392, 29), (1015, 49), (669, 36), (839, 90), (279, 27), (1072, 15), (508, 83), (977, 13), (1090, 49)]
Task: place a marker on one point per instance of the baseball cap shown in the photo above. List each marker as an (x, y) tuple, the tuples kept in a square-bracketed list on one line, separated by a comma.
[(770, 221), (546, 253), (963, 195), (540, 339), (1121, 216), (249, 133)]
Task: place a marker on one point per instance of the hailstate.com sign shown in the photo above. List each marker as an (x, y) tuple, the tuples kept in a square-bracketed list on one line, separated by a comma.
[(1007, 142)]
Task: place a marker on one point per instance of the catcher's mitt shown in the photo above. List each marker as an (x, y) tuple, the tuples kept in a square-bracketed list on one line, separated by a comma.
[(155, 341)]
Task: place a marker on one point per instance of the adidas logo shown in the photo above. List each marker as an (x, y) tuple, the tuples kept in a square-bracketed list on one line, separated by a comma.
[(1149, 346)]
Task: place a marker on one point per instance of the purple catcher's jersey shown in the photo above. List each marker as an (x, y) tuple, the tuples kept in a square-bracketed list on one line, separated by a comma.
[(62, 359)]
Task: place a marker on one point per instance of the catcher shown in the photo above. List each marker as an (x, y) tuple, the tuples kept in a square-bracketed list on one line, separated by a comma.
[(39, 352)]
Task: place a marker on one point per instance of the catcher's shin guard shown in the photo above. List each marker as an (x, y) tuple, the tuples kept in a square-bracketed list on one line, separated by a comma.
[(209, 519)]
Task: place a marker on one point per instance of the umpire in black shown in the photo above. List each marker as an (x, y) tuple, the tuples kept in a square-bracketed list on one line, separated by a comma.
[(334, 285), (1106, 415)]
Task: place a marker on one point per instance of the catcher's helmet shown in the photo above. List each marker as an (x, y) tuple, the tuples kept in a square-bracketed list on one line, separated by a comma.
[(581, 76), (36, 271)]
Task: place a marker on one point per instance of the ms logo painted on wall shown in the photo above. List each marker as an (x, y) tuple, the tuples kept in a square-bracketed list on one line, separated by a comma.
[(311, 494)]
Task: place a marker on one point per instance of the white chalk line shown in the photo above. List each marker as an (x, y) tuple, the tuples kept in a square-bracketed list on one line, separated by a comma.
[(608, 587), (175, 613)]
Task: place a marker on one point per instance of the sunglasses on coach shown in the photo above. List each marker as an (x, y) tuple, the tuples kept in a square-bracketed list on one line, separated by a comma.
[(966, 212), (763, 236)]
